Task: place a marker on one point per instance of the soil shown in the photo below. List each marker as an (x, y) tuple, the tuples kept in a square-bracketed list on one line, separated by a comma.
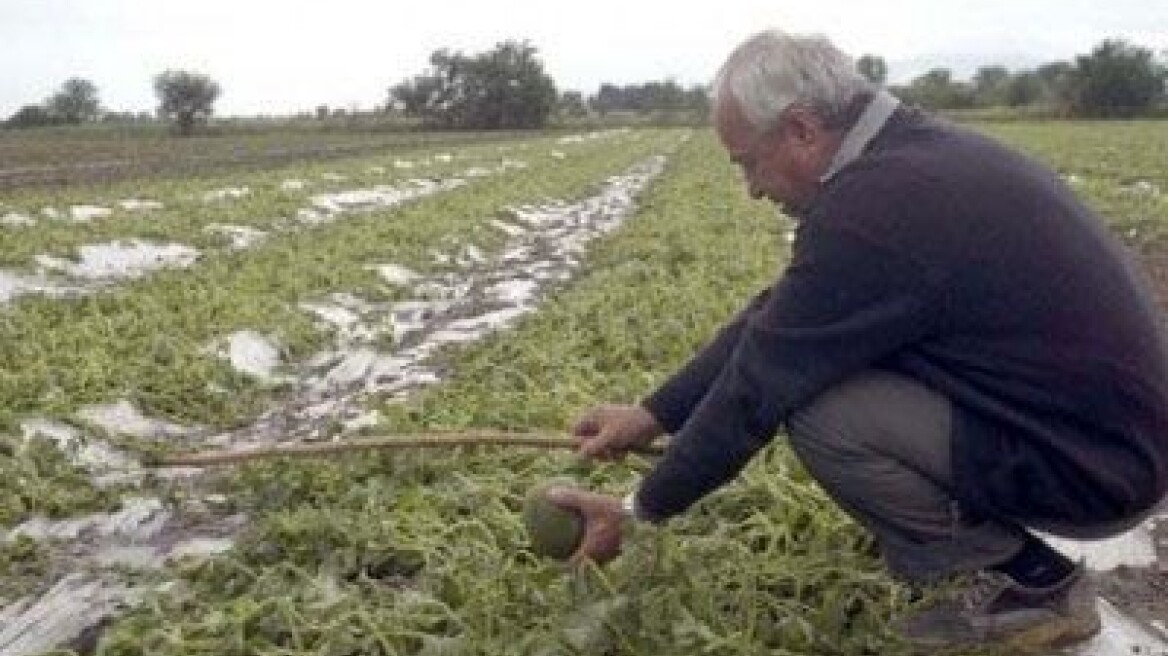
[(1142, 592)]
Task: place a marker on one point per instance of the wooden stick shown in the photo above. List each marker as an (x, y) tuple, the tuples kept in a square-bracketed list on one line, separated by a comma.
[(405, 441)]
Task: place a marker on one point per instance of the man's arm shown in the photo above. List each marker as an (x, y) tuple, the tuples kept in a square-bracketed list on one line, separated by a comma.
[(845, 302), (674, 401)]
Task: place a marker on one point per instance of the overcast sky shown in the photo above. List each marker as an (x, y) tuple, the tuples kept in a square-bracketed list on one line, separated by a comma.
[(292, 55)]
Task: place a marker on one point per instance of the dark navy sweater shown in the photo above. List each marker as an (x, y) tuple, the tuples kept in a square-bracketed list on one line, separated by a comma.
[(944, 256)]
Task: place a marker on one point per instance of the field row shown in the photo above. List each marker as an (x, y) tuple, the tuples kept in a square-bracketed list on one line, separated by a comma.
[(104, 155), (388, 321), (423, 553)]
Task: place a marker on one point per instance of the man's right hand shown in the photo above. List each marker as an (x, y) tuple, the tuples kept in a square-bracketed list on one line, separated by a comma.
[(608, 432)]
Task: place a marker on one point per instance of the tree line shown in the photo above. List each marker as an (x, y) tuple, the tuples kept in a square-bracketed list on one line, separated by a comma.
[(185, 99), (507, 87), (1117, 79)]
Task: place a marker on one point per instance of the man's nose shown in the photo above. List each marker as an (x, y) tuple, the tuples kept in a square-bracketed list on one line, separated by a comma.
[(754, 190)]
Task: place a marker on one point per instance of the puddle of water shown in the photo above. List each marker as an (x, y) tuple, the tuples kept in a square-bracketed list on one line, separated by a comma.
[(13, 285), (37, 624), (16, 220), (395, 274), (138, 205), (242, 237), (591, 136), (86, 213), (139, 520), (509, 229), (515, 292), (107, 465), (469, 256), (344, 312), (123, 418), (484, 296), (121, 260), (379, 197), (1134, 549), (1142, 187), (293, 185), (250, 353), (465, 306), (227, 193), (1119, 637)]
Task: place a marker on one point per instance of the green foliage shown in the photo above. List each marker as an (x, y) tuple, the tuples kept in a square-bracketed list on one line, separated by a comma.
[(1117, 79), (990, 85), (1022, 89), (76, 102), (504, 88), (571, 104), (31, 116), (185, 98), (425, 552), (36, 478), (650, 97), (936, 89)]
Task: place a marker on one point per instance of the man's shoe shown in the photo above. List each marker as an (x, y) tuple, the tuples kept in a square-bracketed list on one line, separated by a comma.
[(997, 611)]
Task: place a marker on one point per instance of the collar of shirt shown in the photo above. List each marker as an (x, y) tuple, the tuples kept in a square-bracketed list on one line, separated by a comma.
[(875, 115)]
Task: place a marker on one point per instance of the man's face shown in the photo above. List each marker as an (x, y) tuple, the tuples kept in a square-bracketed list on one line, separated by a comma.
[(780, 164)]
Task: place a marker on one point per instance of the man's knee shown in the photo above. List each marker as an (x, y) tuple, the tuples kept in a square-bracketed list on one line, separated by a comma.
[(834, 418), (875, 414)]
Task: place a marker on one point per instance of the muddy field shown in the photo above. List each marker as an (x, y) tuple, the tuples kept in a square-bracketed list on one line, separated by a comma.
[(499, 286), (97, 155)]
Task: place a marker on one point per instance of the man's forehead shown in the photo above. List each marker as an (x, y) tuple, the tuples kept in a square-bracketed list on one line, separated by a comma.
[(732, 125)]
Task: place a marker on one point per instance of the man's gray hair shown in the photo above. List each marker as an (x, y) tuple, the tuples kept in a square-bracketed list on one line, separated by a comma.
[(772, 70)]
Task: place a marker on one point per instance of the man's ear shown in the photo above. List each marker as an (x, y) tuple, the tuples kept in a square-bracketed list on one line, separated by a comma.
[(804, 126)]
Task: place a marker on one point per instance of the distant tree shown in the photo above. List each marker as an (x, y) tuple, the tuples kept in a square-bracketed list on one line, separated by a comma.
[(571, 103), (118, 117), (185, 98), (990, 84), (322, 112), (418, 95), (503, 88), (31, 116), (873, 67), (697, 99), (75, 102), (936, 89), (1116, 79), (651, 97), (1024, 88), (1058, 82)]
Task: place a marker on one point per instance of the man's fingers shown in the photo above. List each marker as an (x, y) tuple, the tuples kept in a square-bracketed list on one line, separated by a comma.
[(586, 426), (597, 547), (564, 497)]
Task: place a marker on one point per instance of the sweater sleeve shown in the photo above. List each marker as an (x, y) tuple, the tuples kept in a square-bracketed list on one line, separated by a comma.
[(845, 302), (673, 402)]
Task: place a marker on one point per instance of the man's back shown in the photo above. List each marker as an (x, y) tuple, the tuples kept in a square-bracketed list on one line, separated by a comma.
[(1043, 333)]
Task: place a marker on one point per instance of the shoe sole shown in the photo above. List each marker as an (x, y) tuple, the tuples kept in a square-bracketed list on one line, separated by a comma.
[(1053, 635), (1045, 638)]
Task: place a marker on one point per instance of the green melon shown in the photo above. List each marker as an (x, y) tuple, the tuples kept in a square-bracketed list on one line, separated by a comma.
[(554, 531)]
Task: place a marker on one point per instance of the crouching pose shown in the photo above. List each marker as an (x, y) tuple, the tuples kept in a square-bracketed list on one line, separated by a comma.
[(958, 351)]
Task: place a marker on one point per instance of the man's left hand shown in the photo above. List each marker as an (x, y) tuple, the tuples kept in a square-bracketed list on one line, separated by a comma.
[(604, 520)]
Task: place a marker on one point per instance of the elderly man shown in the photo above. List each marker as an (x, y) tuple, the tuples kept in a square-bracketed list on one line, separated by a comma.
[(958, 351)]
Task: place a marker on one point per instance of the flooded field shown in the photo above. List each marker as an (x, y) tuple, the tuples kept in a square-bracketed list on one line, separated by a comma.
[(502, 285)]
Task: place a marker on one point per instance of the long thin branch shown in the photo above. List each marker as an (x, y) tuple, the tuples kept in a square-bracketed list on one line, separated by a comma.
[(404, 441)]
